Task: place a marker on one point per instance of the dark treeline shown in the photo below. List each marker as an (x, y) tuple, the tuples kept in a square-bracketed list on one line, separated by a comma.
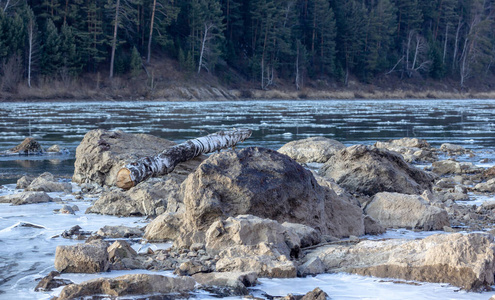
[(263, 40)]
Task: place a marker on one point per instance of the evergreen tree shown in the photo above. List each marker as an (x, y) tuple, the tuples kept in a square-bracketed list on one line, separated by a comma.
[(71, 57), (51, 56), (135, 62)]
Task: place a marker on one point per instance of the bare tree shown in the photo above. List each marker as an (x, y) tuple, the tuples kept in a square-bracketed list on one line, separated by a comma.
[(152, 23), (207, 36), (114, 40)]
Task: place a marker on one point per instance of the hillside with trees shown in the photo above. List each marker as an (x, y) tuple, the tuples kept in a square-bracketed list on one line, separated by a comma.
[(256, 44)]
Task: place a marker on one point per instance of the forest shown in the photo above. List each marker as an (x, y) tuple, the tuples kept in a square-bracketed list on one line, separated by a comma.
[(261, 40)]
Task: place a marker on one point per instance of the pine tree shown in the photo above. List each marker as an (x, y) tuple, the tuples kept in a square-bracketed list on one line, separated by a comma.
[(135, 62), (51, 55), (323, 32), (71, 57), (351, 35)]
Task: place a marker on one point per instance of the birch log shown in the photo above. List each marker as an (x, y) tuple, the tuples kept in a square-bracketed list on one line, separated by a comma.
[(165, 162)]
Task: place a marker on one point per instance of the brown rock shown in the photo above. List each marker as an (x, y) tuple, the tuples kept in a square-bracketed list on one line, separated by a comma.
[(165, 227), (266, 184), (316, 294), (28, 146), (50, 282), (135, 284), (82, 258), (465, 260), (149, 198), (102, 153), (370, 170)]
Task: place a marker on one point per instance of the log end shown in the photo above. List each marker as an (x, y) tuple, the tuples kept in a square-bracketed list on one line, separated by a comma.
[(124, 180)]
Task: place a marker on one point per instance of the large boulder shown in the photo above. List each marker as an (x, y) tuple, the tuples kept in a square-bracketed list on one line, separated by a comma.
[(410, 211), (134, 284), (46, 182), (314, 149), (26, 198), (465, 260), (82, 258), (370, 170), (266, 184), (102, 153)]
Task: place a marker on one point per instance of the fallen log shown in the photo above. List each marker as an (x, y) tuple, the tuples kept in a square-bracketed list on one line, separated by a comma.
[(165, 162)]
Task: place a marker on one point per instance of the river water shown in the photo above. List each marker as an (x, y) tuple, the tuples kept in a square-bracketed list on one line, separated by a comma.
[(470, 123), (27, 253)]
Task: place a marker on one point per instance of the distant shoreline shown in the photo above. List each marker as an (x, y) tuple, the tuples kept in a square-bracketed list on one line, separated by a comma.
[(193, 94)]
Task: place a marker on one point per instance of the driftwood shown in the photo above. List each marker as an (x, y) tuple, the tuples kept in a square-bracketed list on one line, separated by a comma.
[(165, 162)]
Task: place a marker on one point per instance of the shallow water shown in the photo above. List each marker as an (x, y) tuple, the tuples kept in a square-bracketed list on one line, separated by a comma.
[(28, 253), (470, 123)]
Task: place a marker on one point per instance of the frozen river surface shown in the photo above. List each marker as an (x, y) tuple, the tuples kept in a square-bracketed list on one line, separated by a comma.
[(27, 253)]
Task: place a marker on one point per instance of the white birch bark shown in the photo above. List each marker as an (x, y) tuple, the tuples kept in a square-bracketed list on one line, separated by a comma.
[(30, 54), (203, 45), (114, 41), (165, 162)]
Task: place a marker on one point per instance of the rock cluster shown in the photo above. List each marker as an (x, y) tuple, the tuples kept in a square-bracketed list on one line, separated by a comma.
[(242, 214)]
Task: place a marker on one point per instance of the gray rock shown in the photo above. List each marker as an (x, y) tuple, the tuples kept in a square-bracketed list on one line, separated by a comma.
[(46, 182), (370, 170), (445, 167), (410, 211), (66, 209), (120, 232), (372, 227), (26, 198), (225, 284), (314, 149), (452, 149), (24, 182)]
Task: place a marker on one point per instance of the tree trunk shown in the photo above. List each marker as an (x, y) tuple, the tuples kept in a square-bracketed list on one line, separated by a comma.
[(445, 44), (151, 31), (203, 45), (114, 41), (165, 162), (456, 43), (30, 54)]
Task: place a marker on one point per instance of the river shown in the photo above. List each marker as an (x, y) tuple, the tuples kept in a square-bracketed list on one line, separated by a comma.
[(27, 253)]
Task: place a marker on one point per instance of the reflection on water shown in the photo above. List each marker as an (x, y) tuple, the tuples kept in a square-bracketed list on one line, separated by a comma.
[(470, 123)]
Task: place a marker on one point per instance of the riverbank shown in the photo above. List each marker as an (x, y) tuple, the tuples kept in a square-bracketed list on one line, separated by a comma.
[(165, 82)]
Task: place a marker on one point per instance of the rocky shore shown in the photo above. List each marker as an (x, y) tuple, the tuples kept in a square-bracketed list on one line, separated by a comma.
[(311, 207)]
